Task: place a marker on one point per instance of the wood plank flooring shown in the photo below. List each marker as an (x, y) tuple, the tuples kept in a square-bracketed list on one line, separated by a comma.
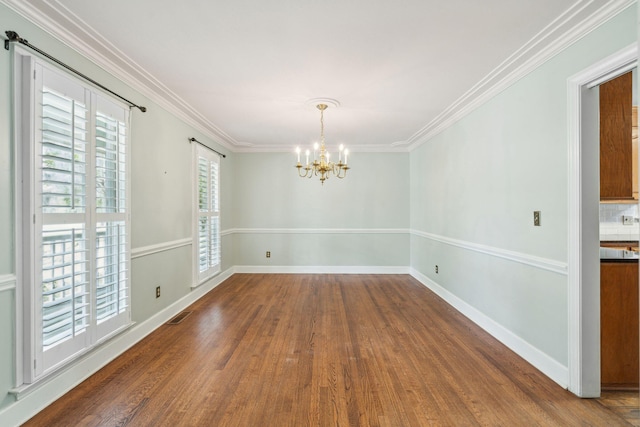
[(321, 350), (623, 403)]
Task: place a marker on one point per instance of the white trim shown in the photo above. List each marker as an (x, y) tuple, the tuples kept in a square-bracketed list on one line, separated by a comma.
[(315, 231), (160, 247), (8, 282), (397, 147), (63, 25), (572, 25), (321, 269), (531, 260), (554, 266), (36, 397), (617, 61), (610, 76), (540, 360)]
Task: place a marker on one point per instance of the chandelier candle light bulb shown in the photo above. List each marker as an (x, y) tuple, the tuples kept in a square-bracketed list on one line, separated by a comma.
[(323, 167)]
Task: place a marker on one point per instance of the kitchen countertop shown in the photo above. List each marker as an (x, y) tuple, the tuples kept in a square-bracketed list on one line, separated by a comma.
[(619, 237), (618, 255)]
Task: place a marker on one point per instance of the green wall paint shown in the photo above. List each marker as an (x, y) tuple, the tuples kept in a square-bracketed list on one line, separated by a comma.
[(161, 196), (312, 249), (480, 181), (269, 194)]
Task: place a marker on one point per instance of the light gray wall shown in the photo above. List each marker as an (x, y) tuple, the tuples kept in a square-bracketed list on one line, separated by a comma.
[(480, 181), (161, 157), (275, 209)]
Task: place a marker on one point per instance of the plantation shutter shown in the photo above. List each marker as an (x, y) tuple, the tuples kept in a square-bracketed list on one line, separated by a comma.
[(81, 250), (112, 237), (208, 207)]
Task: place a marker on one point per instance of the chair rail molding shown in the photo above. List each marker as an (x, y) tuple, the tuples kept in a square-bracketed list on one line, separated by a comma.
[(8, 282), (554, 266)]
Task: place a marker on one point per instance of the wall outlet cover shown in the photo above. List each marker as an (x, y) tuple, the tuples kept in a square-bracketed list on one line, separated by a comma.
[(536, 218)]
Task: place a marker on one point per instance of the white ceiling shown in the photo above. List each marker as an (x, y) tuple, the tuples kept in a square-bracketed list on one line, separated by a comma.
[(243, 71)]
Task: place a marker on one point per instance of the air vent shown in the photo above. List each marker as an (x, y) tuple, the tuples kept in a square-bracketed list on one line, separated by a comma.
[(179, 318)]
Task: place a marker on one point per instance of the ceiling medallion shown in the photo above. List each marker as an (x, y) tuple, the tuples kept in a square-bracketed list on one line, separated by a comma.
[(320, 165)]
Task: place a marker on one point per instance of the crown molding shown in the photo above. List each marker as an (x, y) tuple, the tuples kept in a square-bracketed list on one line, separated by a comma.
[(363, 148), (55, 19), (578, 21)]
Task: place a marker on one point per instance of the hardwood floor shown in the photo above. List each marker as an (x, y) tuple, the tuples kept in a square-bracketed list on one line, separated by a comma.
[(321, 350), (623, 403)]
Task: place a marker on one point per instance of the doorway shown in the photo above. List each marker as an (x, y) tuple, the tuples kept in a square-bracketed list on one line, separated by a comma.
[(619, 234), (584, 221)]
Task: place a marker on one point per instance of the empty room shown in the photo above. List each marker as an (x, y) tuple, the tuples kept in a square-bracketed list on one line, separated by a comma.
[(328, 213)]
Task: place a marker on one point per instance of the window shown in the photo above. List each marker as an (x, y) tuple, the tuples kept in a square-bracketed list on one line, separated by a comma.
[(76, 229), (207, 218)]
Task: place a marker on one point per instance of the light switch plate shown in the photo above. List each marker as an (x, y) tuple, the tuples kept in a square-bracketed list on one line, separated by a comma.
[(536, 218), (627, 220)]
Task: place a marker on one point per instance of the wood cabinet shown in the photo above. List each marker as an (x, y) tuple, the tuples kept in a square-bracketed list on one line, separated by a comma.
[(619, 319), (616, 150), (634, 150)]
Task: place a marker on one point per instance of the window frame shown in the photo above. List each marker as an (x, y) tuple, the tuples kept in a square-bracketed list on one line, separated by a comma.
[(199, 277), (27, 93)]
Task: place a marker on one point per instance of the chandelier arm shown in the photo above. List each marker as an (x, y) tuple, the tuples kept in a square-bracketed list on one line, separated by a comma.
[(321, 166), (300, 167)]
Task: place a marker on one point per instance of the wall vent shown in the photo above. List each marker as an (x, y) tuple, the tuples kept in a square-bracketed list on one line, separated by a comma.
[(179, 318)]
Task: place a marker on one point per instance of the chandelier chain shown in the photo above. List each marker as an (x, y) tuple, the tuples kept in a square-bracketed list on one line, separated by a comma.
[(320, 165)]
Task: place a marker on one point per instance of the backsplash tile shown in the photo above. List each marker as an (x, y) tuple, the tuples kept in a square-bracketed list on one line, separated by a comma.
[(611, 226)]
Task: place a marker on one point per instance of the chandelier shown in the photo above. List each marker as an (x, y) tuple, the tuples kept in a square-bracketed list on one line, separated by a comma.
[(320, 165)]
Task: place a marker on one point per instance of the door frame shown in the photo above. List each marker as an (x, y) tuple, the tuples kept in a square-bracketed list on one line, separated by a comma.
[(583, 271)]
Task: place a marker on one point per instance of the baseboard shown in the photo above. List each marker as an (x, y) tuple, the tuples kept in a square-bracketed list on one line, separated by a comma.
[(320, 269), (34, 398), (540, 360)]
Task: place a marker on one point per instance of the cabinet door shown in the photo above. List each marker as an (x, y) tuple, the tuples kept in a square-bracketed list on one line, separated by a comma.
[(634, 150), (619, 325), (616, 176)]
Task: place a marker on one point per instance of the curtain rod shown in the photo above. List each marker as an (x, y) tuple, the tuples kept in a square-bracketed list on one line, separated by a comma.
[(207, 147), (14, 37)]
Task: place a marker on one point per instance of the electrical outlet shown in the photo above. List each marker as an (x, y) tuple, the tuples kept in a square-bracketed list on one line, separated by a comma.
[(158, 292), (436, 269), (536, 218), (627, 220), (268, 254)]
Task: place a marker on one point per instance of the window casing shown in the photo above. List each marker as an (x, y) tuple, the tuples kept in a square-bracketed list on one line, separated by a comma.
[(75, 229), (207, 214)]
